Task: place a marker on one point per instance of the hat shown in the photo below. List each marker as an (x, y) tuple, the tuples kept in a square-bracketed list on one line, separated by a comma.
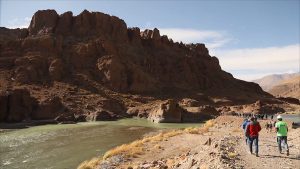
[(279, 117)]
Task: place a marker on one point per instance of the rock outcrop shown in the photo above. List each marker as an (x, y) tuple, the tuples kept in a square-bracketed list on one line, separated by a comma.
[(48, 109), (201, 113), (167, 112), (105, 61), (16, 105)]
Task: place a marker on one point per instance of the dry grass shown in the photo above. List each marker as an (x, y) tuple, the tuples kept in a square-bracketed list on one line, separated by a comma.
[(90, 164), (136, 148), (201, 130), (129, 150), (232, 155), (192, 130)]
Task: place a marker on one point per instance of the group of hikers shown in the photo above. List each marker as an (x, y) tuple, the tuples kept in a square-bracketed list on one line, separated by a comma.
[(259, 116), (252, 127)]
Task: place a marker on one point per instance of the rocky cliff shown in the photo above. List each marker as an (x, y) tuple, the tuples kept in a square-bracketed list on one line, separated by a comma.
[(99, 68)]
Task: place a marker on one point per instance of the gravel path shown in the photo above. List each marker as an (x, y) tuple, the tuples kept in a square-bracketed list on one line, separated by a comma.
[(222, 147), (269, 156)]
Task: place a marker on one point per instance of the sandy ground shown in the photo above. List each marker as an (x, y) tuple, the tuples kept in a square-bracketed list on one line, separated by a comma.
[(222, 147)]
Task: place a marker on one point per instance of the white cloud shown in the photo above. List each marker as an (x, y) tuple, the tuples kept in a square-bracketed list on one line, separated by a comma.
[(252, 63), (19, 23), (212, 39)]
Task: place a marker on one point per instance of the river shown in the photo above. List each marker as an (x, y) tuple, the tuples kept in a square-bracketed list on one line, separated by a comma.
[(65, 146)]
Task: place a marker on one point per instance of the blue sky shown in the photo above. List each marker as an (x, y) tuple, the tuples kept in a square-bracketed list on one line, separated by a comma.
[(251, 38)]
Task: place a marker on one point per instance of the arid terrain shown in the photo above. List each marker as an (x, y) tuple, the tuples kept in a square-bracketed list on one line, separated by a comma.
[(287, 88), (220, 143), (284, 85), (66, 68)]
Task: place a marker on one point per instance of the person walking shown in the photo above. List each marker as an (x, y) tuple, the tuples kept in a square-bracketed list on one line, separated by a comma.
[(244, 125), (282, 130), (252, 130), (270, 126)]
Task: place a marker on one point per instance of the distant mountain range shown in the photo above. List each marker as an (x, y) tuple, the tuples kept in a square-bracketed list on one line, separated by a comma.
[(286, 85)]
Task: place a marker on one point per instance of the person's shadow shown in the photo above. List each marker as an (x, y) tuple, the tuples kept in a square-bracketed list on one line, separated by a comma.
[(276, 156)]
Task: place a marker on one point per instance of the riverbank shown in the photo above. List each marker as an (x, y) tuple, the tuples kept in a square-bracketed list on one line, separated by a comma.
[(218, 144), (44, 146)]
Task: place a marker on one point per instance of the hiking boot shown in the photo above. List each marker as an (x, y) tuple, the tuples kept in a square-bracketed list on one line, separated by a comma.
[(287, 152), (256, 154)]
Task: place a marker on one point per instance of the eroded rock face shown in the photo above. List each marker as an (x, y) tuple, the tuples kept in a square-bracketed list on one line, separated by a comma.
[(3, 106), (201, 113), (189, 102), (16, 105), (30, 69), (43, 21), (56, 69), (48, 109), (167, 112), (262, 106), (101, 47), (101, 115), (96, 52), (290, 100)]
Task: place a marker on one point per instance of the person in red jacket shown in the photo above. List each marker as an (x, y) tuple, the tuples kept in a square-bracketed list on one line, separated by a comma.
[(252, 130)]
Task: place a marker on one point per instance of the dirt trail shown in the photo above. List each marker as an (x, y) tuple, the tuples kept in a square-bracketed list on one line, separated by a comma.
[(222, 147), (269, 156)]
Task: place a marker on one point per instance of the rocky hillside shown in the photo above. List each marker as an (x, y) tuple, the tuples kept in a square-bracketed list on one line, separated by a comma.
[(93, 67), (268, 82), (287, 88)]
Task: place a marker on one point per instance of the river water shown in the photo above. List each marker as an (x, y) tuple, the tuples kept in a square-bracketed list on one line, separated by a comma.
[(66, 146)]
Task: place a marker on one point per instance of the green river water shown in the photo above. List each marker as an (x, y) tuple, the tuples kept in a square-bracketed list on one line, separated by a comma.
[(66, 146)]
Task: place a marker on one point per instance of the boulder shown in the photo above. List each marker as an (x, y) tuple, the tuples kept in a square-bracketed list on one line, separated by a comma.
[(101, 115), (141, 111), (66, 117), (20, 105), (48, 109), (112, 105), (187, 102), (80, 117), (167, 112), (201, 113)]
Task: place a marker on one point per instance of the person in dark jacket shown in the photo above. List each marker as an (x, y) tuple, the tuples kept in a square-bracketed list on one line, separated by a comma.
[(252, 130)]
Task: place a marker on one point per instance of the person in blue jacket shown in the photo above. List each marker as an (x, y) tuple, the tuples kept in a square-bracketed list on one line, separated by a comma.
[(244, 126)]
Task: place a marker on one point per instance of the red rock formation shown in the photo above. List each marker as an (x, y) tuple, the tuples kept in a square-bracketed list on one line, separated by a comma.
[(167, 112), (97, 53), (48, 109), (16, 105)]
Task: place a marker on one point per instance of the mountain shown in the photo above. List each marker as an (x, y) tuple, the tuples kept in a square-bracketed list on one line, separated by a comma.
[(289, 87), (93, 67), (268, 82)]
